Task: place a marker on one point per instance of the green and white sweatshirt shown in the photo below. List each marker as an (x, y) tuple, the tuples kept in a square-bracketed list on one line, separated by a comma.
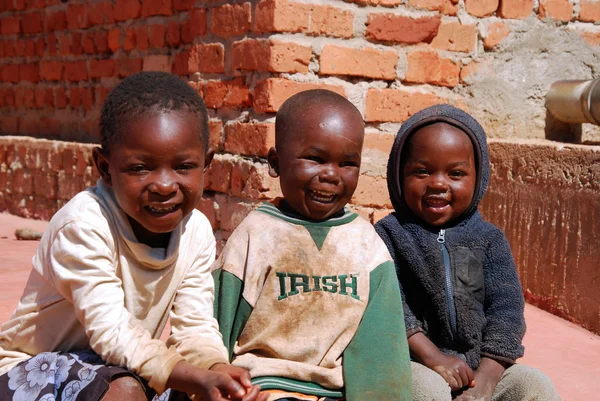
[(313, 307)]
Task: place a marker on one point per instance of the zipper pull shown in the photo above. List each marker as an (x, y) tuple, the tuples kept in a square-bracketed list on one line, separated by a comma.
[(441, 236)]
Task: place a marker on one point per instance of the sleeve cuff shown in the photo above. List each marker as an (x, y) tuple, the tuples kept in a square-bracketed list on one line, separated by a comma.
[(499, 358), (159, 379)]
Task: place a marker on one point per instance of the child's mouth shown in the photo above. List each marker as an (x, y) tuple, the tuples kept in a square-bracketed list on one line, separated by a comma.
[(162, 210), (323, 197), (436, 203)]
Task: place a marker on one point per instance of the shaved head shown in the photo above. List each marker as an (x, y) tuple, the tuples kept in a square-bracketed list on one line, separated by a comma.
[(300, 110)]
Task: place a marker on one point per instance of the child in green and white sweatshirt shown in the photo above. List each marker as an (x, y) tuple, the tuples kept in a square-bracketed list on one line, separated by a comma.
[(306, 294)]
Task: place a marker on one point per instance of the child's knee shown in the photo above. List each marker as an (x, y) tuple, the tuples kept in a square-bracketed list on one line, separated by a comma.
[(526, 383), (428, 385), (125, 388)]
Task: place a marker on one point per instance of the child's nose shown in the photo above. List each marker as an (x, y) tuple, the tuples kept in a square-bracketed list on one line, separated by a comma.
[(163, 183), (330, 173), (438, 182)]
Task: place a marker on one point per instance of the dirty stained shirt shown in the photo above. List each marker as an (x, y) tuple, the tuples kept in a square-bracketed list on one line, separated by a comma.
[(93, 285), (313, 308)]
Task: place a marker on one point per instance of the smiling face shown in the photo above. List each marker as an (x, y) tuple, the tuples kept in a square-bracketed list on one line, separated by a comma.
[(438, 173), (318, 160), (156, 169)]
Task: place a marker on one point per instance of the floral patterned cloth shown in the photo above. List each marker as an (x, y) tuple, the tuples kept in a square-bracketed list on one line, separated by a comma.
[(62, 376)]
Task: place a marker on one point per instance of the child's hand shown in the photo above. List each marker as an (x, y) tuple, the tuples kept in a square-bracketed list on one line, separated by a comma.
[(487, 377), (454, 370), (209, 385), (243, 377)]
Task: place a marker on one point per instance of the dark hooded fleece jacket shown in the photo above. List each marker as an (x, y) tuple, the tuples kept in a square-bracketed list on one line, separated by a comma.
[(480, 277)]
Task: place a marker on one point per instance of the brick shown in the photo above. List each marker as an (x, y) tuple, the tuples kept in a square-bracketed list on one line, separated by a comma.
[(157, 63), (102, 68), (331, 21), (29, 126), (76, 43), (366, 62), (101, 93), (173, 34), (481, 8), (29, 98), (10, 25), (496, 32), (270, 93), (87, 98), (209, 58), (371, 191), (101, 13), (101, 41), (181, 64), (589, 11), (281, 16), (56, 21), (476, 71), (515, 9), (249, 139), (60, 98), (215, 128), (561, 10), (591, 38), (270, 55), (384, 3), (218, 177), (426, 66), (9, 125), (10, 73), (194, 26), (394, 105), (30, 48), (129, 66), (88, 43), (40, 94), (401, 29), (158, 34), (141, 37), (251, 180), (40, 47), (183, 5), (75, 71), (448, 7), (20, 47), (454, 36), (114, 39), (231, 94), (129, 39), (127, 9), (29, 72), (77, 16), (231, 19), (51, 70), (156, 7)]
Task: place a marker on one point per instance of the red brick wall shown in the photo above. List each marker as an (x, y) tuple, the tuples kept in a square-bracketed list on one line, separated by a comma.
[(391, 58)]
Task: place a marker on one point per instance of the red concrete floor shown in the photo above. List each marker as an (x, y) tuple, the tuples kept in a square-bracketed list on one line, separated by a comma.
[(569, 354)]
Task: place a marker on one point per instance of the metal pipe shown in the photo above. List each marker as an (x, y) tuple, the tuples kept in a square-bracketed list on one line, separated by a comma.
[(575, 102)]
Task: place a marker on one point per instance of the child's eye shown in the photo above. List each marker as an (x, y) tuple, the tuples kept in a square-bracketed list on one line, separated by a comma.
[(420, 171), (137, 168), (457, 173), (348, 164), (186, 167), (316, 159)]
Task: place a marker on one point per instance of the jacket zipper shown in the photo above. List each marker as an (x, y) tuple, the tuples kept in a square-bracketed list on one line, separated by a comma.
[(449, 282)]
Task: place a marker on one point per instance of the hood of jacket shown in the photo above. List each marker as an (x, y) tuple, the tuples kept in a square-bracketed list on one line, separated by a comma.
[(431, 115)]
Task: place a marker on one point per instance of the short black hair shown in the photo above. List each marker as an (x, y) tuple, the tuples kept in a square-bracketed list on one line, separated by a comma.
[(149, 92), (290, 111)]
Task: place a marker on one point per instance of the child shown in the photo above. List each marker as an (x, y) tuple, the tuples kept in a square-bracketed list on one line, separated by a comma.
[(306, 295), (118, 259), (462, 298)]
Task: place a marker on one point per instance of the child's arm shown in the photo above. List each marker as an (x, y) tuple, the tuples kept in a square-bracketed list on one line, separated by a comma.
[(454, 370), (376, 362), (503, 305), (82, 269)]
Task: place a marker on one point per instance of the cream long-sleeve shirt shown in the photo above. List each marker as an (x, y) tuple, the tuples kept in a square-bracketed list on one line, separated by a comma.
[(93, 285)]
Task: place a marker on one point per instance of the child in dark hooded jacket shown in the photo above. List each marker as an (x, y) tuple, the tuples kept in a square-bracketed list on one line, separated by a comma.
[(462, 299)]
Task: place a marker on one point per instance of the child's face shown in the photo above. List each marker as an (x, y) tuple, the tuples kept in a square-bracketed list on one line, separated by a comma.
[(156, 169), (439, 174), (319, 163)]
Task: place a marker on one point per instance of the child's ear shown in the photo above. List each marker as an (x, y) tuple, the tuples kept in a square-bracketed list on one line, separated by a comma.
[(273, 160), (208, 157), (101, 163)]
